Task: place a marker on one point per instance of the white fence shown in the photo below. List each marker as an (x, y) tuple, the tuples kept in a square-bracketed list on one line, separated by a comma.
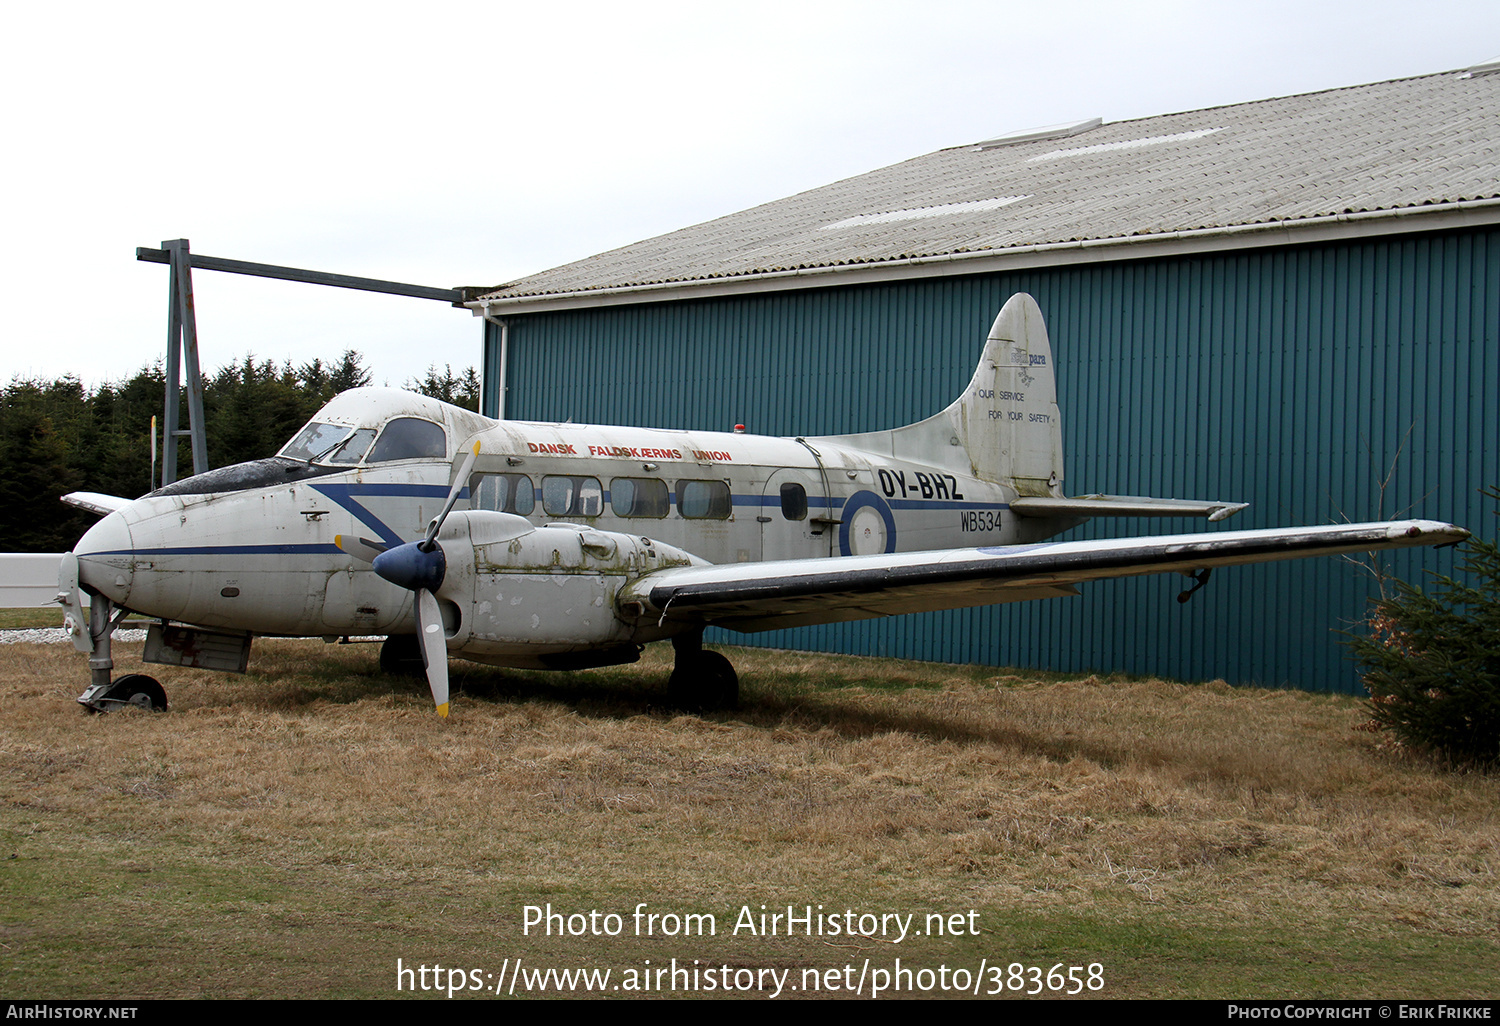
[(28, 579)]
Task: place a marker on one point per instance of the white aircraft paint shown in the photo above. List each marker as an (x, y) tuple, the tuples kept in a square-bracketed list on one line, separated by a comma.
[(582, 543)]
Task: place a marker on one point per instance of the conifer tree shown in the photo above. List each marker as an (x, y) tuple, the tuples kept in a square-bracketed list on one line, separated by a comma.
[(59, 436), (1431, 661)]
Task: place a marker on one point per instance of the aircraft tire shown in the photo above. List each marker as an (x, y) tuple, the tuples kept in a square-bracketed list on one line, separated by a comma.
[(139, 690), (707, 682), (401, 656)]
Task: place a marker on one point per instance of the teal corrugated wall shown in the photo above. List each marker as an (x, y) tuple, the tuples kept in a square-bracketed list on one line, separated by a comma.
[(1293, 378)]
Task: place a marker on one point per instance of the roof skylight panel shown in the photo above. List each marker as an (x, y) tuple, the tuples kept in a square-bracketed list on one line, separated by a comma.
[(1128, 144), (941, 210)]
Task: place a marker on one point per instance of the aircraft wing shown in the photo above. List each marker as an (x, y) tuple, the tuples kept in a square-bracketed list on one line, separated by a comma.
[(792, 593)]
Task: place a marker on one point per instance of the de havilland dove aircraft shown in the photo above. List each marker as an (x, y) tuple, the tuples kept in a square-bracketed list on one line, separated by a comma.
[(569, 546)]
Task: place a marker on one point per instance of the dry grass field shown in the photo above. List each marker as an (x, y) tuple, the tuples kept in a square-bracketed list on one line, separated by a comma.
[(295, 831)]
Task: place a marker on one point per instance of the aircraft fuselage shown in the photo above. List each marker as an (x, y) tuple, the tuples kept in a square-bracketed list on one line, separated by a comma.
[(261, 556)]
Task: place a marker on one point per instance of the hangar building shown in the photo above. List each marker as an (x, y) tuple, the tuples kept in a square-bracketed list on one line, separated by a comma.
[(1283, 302)]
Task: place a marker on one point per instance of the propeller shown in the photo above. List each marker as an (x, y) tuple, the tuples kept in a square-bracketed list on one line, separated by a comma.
[(362, 549), (420, 567)]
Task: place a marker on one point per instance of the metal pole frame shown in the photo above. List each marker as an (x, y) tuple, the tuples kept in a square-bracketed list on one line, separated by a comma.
[(182, 342), (182, 332)]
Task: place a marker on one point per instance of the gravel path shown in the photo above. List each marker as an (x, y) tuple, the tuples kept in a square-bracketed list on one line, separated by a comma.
[(57, 636)]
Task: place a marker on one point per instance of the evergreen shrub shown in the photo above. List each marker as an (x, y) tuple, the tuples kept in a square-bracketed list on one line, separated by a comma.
[(1431, 661)]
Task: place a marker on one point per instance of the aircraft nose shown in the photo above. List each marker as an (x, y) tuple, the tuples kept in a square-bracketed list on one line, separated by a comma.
[(106, 558)]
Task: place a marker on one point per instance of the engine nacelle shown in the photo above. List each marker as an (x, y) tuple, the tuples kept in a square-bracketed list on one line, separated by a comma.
[(515, 588)]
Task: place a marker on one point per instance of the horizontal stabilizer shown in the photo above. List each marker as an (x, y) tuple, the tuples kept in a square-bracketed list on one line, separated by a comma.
[(1124, 506)]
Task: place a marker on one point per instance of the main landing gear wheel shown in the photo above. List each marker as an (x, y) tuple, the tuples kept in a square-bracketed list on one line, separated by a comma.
[(135, 689), (704, 680), (401, 656)]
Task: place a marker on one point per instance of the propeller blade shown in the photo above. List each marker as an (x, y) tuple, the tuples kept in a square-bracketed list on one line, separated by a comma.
[(458, 485), (75, 620), (360, 548), (434, 648)]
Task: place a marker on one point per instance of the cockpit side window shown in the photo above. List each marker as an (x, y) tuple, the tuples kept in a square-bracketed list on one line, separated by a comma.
[(408, 438)]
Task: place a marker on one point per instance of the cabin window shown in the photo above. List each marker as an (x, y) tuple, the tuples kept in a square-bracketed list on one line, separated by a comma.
[(567, 496), (793, 502), (503, 493), (407, 438), (704, 500), (639, 497)]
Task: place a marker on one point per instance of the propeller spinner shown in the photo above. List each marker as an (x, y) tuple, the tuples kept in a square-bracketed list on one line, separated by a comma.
[(420, 567)]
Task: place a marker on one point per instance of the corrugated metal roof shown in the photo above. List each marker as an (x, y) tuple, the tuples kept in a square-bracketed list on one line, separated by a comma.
[(1386, 148)]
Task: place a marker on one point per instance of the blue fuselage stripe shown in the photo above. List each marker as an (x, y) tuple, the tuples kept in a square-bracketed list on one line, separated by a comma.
[(941, 504), (229, 550)]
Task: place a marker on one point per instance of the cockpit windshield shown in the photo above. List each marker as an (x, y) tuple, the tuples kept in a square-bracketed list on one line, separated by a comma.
[(402, 439), (352, 449), (314, 440)]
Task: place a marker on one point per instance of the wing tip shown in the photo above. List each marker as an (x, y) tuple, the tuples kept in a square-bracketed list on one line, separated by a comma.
[(1428, 532)]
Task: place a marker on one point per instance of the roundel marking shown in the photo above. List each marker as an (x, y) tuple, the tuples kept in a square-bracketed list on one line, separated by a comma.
[(868, 527)]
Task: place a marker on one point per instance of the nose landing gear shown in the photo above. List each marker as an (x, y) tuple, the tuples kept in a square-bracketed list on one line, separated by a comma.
[(103, 694), (133, 689)]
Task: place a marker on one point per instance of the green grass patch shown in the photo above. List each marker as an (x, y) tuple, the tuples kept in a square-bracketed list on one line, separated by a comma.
[(17, 619)]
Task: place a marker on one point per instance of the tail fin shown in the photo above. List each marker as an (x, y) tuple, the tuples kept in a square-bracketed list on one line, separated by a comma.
[(1007, 420), (1005, 427)]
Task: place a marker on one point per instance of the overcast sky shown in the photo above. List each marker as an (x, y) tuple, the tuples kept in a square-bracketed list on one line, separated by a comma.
[(472, 143)]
